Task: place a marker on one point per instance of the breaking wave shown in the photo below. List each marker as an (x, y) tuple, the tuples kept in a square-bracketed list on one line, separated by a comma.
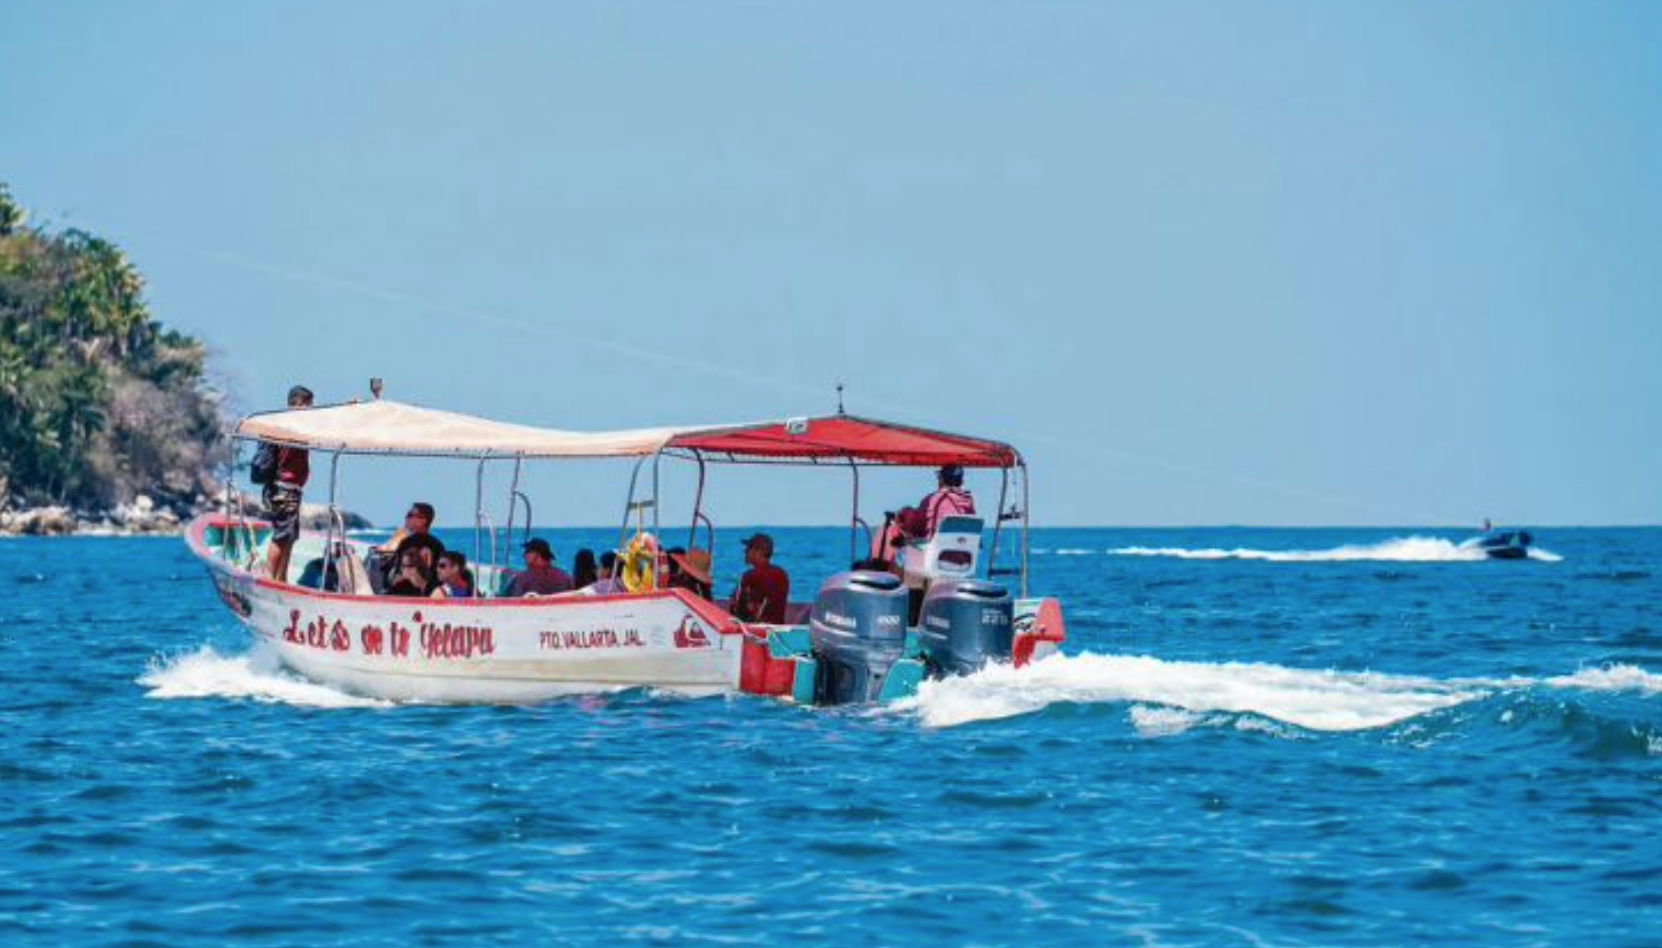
[(1169, 697), (1395, 550), (205, 673)]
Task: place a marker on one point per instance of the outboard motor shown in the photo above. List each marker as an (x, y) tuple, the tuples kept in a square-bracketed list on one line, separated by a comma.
[(965, 624), (858, 629)]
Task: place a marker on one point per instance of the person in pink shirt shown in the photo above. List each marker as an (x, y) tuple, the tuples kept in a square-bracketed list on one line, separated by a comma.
[(950, 499)]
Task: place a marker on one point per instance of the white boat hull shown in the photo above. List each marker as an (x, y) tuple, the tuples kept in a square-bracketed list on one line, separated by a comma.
[(503, 651), (491, 650)]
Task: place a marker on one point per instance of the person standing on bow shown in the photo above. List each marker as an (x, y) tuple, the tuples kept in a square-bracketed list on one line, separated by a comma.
[(282, 473)]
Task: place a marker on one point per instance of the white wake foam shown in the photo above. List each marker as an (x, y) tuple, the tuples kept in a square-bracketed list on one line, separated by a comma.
[(1611, 678), (205, 673), (1396, 550), (1171, 697), (1317, 700)]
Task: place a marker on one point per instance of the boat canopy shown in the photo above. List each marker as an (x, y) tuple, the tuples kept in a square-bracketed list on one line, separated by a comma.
[(846, 437), (388, 427)]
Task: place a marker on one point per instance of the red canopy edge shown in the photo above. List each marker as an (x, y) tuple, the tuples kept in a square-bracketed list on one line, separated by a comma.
[(849, 437)]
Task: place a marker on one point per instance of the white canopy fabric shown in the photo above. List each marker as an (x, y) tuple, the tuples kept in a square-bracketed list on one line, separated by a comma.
[(388, 427)]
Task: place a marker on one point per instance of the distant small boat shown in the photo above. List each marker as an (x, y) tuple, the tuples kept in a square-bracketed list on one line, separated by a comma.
[(1503, 544)]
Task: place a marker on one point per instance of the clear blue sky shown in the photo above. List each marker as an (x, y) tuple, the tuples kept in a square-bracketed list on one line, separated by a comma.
[(1273, 262)]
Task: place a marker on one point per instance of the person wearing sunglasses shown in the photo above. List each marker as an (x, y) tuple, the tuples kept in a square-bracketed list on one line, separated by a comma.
[(455, 579), (416, 535), (414, 578)]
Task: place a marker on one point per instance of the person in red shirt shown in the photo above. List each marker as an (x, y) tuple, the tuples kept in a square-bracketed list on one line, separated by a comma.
[(765, 589), (289, 469)]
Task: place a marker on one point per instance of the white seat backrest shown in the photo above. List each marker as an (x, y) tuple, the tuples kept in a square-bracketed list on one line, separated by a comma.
[(351, 575), (951, 553)]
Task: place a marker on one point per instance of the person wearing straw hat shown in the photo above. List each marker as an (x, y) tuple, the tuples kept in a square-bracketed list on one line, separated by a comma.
[(692, 572)]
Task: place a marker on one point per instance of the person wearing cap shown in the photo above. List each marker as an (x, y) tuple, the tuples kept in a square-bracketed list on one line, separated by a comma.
[(950, 499), (540, 577), (283, 472), (765, 589), (692, 572)]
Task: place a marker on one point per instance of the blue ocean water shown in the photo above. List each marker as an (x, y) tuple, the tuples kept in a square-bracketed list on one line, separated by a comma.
[(1256, 737)]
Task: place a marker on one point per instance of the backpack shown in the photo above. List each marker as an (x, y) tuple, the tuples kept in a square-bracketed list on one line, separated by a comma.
[(263, 469)]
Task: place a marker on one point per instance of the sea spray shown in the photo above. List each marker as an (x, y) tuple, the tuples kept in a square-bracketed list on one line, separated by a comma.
[(1315, 700), (205, 673), (1169, 697)]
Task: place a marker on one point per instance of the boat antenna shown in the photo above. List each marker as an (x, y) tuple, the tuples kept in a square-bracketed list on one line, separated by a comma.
[(375, 387), (840, 399)]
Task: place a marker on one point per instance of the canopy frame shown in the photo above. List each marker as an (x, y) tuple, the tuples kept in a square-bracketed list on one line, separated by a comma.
[(757, 444)]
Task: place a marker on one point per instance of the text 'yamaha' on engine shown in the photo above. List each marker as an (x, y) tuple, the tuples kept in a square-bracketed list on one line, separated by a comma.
[(858, 630), (964, 624)]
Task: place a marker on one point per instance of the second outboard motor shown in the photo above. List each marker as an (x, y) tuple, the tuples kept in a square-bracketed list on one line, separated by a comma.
[(965, 624), (858, 628)]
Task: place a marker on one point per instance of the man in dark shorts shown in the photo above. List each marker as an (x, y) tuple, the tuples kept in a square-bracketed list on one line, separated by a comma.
[(764, 590), (288, 470)]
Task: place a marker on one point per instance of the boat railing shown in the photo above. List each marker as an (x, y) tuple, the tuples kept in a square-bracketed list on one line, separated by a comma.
[(515, 498), (709, 533), (871, 540), (489, 526)]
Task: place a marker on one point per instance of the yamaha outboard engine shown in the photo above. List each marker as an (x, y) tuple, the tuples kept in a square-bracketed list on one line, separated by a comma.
[(965, 624), (858, 628)]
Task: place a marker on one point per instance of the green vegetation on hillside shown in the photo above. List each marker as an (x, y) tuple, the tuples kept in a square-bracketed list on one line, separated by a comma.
[(98, 402)]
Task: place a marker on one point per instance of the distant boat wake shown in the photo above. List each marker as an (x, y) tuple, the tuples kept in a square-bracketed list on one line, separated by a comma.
[(1169, 697), (1395, 550)]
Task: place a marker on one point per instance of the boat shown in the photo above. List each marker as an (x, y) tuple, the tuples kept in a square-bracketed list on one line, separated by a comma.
[(945, 607), (1502, 544)]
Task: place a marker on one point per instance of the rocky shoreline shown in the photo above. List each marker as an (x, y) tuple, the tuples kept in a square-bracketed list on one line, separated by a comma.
[(143, 517)]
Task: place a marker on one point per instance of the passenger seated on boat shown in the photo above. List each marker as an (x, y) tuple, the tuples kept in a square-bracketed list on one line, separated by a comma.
[(413, 577), (312, 575), (949, 499), (343, 573), (765, 589), (455, 579), (885, 545), (583, 570), (691, 571), (540, 576), (414, 534), (609, 584)]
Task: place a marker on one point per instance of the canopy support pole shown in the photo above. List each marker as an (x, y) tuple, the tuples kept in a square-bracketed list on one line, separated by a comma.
[(998, 520), (698, 505), (657, 531), (854, 516), (1026, 522), (329, 530), (513, 506), (479, 507), (629, 505)]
